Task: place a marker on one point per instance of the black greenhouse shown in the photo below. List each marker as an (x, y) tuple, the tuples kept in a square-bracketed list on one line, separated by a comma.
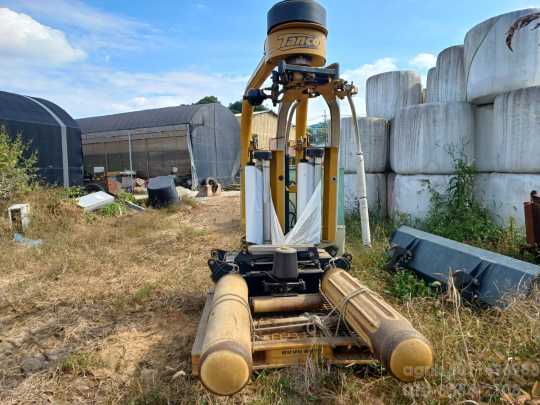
[(50, 132)]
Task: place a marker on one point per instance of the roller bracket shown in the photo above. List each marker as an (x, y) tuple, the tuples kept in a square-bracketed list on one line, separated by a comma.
[(255, 97)]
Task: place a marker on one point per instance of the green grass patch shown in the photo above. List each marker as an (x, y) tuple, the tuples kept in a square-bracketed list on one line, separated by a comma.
[(80, 364), (143, 293)]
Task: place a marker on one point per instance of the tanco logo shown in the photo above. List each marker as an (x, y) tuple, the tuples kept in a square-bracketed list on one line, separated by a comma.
[(291, 41)]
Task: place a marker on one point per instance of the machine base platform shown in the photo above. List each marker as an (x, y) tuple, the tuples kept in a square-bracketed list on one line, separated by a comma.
[(286, 340)]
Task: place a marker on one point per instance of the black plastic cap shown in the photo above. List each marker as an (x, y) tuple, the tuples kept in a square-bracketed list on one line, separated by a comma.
[(296, 10), (263, 155), (314, 153)]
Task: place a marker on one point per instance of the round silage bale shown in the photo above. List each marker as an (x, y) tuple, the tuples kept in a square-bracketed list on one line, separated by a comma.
[(432, 93), (386, 93), (375, 134), (503, 195), (427, 138), (411, 195), (376, 189), (485, 149), (491, 68), (517, 131), (448, 82)]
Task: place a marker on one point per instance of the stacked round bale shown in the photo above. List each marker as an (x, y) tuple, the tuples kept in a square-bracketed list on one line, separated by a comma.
[(374, 134), (427, 138), (386, 94), (504, 85), (446, 81)]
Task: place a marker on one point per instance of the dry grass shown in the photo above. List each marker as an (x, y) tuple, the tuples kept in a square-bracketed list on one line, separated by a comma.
[(106, 312)]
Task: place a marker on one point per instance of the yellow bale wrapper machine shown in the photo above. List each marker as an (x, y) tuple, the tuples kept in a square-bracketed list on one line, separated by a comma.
[(287, 295)]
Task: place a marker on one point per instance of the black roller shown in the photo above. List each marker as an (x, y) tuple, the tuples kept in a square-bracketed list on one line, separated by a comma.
[(296, 10), (285, 264), (162, 192)]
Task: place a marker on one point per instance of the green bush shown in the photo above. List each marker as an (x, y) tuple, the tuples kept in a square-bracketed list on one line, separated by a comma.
[(116, 209), (17, 170), (456, 215), (405, 286), (120, 206)]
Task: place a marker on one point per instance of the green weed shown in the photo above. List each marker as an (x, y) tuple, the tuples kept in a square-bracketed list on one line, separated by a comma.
[(115, 209), (457, 215), (143, 293), (80, 364), (406, 286)]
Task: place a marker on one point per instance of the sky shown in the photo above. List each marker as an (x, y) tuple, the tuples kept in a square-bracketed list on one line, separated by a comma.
[(96, 57)]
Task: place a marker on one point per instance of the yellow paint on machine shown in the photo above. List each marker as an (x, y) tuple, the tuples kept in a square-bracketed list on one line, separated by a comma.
[(401, 348), (227, 339)]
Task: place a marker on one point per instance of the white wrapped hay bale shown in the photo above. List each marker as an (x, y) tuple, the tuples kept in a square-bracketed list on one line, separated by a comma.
[(432, 86), (411, 195), (447, 82), (504, 194), (376, 188), (375, 134), (485, 149), (491, 68), (517, 131), (427, 138), (386, 93)]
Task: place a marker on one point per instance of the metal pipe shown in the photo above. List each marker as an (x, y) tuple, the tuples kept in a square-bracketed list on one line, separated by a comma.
[(130, 163), (245, 138), (287, 168), (331, 167), (303, 302), (301, 127), (267, 203), (278, 175), (361, 175)]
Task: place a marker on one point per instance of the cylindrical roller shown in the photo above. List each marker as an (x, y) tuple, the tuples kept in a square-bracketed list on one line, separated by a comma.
[(401, 348), (296, 303), (226, 362)]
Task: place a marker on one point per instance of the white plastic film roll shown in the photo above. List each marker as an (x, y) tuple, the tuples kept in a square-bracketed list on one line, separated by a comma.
[(254, 205), (304, 186)]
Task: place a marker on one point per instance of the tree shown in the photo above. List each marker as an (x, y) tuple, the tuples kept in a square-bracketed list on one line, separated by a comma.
[(16, 170), (208, 100), (236, 107)]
